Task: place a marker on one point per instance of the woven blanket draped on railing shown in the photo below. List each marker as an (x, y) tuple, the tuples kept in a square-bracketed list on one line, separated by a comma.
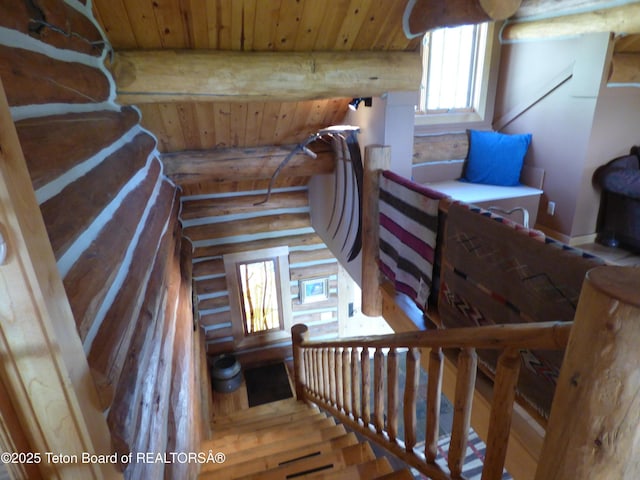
[(495, 271), (408, 233)]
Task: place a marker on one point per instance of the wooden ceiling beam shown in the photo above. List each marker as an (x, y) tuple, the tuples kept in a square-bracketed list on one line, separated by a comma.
[(622, 19), (146, 76), (242, 164), (625, 68)]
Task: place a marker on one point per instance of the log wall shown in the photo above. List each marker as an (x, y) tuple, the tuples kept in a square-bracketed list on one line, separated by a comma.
[(222, 223), (112, 219)]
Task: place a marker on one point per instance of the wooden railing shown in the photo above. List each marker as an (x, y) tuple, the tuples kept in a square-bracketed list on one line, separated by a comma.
[(337, 376), (594, 422)]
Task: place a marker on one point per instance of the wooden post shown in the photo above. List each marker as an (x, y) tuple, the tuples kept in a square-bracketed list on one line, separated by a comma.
[(299, 334), (594, 425), (376, 158), (44, 370)]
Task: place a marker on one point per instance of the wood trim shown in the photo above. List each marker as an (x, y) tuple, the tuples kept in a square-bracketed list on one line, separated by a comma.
[(281, 256), (45, 372)]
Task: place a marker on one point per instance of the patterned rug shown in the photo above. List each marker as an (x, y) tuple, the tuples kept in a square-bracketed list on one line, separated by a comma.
[(474, 459)]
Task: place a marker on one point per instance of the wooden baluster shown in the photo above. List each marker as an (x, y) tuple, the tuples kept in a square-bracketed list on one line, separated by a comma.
[(378, 390), (299, 334), (434, 394), (355, 384), (465, 383), (504, 393), (338, 376), (318, 361), (411, 397), (366, 386), (308, 369), (331, 359), (392, 394), (346, 381), (325, 375)]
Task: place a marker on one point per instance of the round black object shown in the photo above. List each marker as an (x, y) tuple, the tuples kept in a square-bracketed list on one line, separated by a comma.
[(225, 374)]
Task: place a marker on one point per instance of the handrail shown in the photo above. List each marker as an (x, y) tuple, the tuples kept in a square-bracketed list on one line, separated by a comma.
[(336, 375), (540, 335)]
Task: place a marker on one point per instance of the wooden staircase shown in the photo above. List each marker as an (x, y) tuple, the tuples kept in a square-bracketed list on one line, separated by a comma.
[(290, 439)]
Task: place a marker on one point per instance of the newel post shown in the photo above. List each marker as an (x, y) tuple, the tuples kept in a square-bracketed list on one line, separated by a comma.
[(376, 159), (299, 334), (594, 426)]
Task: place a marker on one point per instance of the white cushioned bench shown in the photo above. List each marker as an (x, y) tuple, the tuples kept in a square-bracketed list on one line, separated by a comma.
[(441, 176)]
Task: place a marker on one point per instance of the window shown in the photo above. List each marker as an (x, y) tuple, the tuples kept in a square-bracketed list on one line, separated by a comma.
[(259, 288), (456, 81)]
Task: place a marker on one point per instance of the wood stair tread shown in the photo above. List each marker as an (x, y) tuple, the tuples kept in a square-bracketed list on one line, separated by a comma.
[(367, 470), (262, 437), (288, 439), (267, 408), (266, 420), (403, 474), (269, 461), (336, 460), (248, 454)]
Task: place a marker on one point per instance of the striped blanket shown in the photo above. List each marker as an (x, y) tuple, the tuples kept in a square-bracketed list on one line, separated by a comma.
[(408, 230)]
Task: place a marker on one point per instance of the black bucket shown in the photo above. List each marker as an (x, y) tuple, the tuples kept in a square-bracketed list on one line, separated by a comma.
[(225, 374)]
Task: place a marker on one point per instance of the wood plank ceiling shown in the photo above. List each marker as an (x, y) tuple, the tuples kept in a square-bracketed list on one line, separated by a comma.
[(249, 25)]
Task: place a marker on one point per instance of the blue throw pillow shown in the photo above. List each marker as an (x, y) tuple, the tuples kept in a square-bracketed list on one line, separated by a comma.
[(495, 158)]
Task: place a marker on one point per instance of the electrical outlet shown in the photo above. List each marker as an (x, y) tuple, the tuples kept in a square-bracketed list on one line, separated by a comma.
[(551, 208)]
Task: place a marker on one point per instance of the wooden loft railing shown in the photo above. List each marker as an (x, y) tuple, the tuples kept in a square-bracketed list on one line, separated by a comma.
[(595, 417), (337, 377)]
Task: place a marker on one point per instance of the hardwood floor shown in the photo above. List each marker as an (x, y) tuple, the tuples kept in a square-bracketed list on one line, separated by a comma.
[(614, 256)]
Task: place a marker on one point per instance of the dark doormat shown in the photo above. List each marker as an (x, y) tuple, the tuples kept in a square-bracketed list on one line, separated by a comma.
[(267, 384)]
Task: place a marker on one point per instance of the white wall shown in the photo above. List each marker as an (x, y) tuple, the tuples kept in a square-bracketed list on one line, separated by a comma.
[(561, 120), (389, 121)]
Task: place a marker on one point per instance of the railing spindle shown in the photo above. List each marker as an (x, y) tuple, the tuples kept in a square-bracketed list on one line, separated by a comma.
[(346, 381), (332, 375), (307, 373), (411, 397), (465, 383), (338, 376), (392, 394), (378, 390), (434, 394), (504, 393), (325, 375), (320, 389), (355, 383), (366, 385)]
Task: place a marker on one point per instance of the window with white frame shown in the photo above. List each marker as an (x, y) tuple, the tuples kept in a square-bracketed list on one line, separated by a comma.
[(456, 75)]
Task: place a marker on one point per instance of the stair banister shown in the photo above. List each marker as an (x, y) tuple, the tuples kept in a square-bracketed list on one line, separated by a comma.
[(321, 368)]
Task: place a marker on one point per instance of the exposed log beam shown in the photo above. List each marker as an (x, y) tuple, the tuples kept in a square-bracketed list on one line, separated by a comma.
[(146, 76), (625, 68), (623, 19), (421, 16), (242, 164), (213, 207)]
